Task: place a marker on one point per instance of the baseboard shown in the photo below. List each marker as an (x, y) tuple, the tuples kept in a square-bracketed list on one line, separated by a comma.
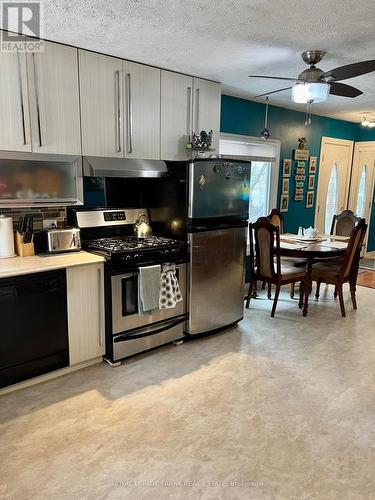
[(50, 376)]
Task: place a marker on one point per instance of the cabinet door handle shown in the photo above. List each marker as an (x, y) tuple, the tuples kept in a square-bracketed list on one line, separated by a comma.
[(20, 82), (189, 112), (100, 306), (118, 113), (197, 121), (130, 114), (37, 101)]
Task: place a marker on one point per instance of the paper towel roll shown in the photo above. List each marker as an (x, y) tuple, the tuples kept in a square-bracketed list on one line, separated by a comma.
[(6, 237)]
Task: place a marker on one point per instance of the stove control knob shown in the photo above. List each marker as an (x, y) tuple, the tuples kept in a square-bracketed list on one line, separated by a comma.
[(174, 250), (136, 256), (128, 258), (166, 252)]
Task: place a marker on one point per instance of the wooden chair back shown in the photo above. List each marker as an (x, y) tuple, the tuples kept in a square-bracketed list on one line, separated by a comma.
[(267, 247), (344, 223), (352, 255), (276, 219)]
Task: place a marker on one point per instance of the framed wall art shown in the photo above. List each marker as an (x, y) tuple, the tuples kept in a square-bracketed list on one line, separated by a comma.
[(312, 165), (309, 199), (284, 202), (287, 168), (311, 182), (285, 186)]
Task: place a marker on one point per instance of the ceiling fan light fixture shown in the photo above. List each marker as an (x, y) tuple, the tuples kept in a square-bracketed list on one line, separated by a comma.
[(365, 122), (310, 92)]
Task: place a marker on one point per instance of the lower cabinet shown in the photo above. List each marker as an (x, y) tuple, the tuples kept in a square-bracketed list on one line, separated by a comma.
[(85, 291)]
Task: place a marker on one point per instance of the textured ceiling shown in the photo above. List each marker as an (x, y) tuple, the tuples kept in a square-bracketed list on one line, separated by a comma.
[(227, 40)]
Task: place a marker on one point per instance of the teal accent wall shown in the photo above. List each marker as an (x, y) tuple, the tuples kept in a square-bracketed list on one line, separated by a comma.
[(241, 116)]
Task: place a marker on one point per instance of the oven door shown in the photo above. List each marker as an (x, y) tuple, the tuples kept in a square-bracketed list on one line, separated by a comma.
[(125, 310)]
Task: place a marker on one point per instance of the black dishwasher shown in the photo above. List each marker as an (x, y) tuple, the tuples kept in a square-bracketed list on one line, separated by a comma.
[(33, 326)]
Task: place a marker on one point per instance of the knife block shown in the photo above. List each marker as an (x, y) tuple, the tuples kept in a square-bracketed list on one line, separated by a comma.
[(24, 249)]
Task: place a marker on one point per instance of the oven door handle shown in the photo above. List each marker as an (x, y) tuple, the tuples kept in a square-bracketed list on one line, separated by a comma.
[(124, 337)]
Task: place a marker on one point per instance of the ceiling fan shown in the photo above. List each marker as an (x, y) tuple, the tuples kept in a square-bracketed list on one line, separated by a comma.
[(314, 85)]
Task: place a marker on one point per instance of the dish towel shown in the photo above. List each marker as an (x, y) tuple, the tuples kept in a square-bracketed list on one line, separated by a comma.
[(148, 288), (170, 293)]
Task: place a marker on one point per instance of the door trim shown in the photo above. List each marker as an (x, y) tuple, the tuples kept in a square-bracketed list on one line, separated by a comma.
[(360, 147)]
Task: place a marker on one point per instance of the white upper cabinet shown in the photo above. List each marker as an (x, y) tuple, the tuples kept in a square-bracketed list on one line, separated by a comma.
[(54, 99), (176, 115), (101, 104), (206, 109), (141, 110), (14, 103)]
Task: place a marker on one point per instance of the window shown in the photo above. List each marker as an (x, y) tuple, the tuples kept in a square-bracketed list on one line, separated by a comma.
[(331, 203), (361, 196), (259, 189), (264, 157)]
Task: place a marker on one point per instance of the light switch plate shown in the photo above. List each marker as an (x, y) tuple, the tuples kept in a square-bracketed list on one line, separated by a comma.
[(49, 223)]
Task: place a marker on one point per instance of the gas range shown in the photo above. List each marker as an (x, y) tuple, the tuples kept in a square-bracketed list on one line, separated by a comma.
[(131, 251), (129, 330), (109, 232)]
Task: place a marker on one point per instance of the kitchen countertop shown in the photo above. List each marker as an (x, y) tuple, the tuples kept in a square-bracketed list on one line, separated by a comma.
[(38, 263)]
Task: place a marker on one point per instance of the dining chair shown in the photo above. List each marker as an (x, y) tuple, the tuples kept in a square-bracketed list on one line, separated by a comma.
[(338, 272), (276, 218), (344, 223), (268, 265)]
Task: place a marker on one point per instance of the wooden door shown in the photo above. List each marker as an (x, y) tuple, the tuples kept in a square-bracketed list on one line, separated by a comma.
[(101, 105), (206, 109), (14, 103), (54, 99), (176, 115), (333, 182), (85, 289), (141, 111)]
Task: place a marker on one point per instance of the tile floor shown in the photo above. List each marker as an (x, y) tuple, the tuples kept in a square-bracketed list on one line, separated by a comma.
[(278, 408)]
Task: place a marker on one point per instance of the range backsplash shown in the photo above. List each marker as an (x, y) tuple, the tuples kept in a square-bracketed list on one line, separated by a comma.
[(38, 213)]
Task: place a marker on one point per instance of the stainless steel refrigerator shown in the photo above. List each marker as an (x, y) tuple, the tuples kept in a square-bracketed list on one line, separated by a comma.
[(217, 233)]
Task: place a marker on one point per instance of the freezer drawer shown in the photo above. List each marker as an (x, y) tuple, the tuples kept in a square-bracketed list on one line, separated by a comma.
[(217, 277)]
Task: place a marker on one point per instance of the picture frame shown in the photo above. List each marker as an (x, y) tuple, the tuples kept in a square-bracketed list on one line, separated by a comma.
[(300, 170), (300, 177), (299, 184), (287, 167), (301, 154), (299, 190), (311, 183), (309, 199), (312, 164), (285, 186), (298, 197), (301, 164), (284, 203)]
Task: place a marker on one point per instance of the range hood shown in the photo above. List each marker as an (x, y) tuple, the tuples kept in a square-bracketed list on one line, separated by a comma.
[(96, 166)]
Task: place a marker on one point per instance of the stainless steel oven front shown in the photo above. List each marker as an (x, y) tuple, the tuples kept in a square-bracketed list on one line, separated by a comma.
[(134, 332)]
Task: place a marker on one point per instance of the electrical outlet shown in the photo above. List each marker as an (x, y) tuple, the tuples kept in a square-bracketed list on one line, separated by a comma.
[(49, 223)]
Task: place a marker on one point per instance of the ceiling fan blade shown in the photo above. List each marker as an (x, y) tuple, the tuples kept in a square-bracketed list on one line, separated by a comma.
[(350, 70), (344, 90), (277, 78), (273, 92)]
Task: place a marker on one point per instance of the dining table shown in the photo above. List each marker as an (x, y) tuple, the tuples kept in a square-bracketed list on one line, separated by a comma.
[(312, 250)]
